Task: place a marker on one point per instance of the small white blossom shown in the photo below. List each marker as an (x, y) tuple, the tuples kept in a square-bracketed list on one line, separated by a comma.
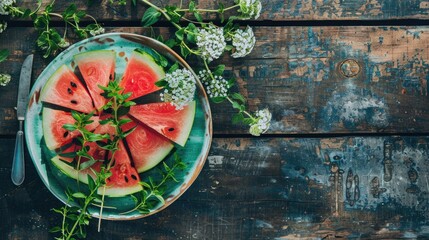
[(243, 42), (97, 31), (63, 43), (250, 8), (217, 87), (262, 122), (180, 89), (211, 42), (4, 79), (3, 26), (4, 4)]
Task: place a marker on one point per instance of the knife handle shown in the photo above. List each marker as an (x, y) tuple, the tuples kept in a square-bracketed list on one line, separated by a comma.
[(18, 168)]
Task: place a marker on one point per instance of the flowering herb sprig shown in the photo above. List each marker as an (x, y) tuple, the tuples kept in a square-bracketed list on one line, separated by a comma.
[(209, 42), (50, 41), (4, 77)]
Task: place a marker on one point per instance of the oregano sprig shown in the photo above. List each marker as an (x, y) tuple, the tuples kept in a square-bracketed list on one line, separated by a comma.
[(49, 40)]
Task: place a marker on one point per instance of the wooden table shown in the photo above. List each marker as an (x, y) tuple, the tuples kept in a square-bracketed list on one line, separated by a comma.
[(347, 155)]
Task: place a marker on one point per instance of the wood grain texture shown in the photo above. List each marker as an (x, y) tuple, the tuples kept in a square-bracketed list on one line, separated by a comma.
[(277, 10), (297, 73), (281, 188)]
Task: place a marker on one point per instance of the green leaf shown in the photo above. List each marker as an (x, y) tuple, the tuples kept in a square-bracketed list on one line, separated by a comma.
[(126, 133), (160, 199), (247, 121), (180, 33), (184, 51), (55, 229), (173, 68), (228, 47), (69, 127), (3, 54), (161, 83), (150, 17), (237, 118), (191, 6), (134, 2), (219, 70), (91, 183), (238, 97), (238, 106), (198, 16), (218, 99), (70, 11), (171, 43), (122, 111), (79, 195), (68, 155)]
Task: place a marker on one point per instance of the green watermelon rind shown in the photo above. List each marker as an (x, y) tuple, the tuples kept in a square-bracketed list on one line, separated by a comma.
[(189, 119), (69, 171)]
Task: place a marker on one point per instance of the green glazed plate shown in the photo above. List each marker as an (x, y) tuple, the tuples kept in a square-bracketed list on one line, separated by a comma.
[(193, 154)]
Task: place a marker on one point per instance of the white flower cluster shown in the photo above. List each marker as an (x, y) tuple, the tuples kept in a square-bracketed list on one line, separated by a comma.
[(3, 26), (243, 42), (4, 79), (262, 124), (211, 42), (217, 87), (250, 8), (4, 4), (180, 89), (97, 31)]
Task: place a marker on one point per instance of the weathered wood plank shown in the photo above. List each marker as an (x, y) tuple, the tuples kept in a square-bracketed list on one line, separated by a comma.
[(277, 10), (296, 72), (351, 187)]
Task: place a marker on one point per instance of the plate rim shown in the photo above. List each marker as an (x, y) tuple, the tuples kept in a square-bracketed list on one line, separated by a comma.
[(168, 52)]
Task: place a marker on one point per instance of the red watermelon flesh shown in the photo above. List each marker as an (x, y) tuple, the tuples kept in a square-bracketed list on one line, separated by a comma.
[(147, 147), (141, 74), (97, 68), (53, 131), (124, 179), (64, 89), (164, 118)]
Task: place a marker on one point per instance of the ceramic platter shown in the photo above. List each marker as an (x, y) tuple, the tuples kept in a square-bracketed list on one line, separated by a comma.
[(194, 153)]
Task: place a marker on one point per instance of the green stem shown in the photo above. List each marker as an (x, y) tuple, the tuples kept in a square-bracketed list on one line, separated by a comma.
[(209, 10)]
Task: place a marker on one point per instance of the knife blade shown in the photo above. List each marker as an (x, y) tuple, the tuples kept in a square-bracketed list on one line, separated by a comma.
[(18, 166)]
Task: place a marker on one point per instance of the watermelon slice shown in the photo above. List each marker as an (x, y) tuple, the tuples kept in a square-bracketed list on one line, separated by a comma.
[(141, 74), (147, 147), (52, 124), (64, 89), (166, 120), (69, 165), (124, 179), (97, 68)]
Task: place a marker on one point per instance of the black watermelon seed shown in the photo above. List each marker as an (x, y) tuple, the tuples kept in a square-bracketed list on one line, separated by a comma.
[(66, 133), (73, 84), (73, 101), (134, 177), (171, 129), (69, 91), (126, 178)]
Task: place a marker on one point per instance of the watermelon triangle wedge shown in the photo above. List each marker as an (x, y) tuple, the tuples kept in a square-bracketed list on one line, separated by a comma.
[(53, 131), (164, 118), (124, 179), (64, 89), (97, 68), (140, 75), (147, 147)]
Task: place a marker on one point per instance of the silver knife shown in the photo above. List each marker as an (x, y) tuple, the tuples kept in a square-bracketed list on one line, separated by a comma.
[(18, 167)]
